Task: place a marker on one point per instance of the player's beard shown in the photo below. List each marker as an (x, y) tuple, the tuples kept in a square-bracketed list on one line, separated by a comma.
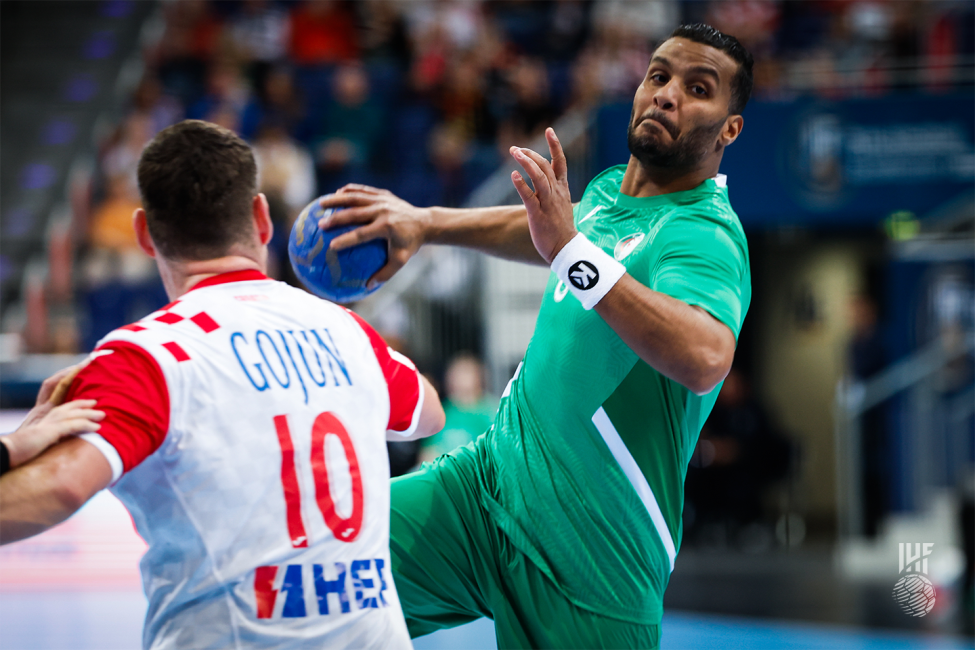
[(686, 150)]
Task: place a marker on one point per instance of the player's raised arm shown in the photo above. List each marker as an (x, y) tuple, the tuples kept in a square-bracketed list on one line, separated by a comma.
[(680, 341), (499, 231)]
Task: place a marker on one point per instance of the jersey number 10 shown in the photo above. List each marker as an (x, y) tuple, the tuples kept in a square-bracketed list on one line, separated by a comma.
[(344, 529)]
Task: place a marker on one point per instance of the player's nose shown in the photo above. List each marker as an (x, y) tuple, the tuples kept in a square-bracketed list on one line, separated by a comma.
[(667, 97)]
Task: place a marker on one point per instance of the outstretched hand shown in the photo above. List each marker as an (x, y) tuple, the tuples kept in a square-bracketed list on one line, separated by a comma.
[(51, 420), (550, 204), (380, 214)]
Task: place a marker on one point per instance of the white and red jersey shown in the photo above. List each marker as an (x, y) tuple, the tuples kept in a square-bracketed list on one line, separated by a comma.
[(245, 424)]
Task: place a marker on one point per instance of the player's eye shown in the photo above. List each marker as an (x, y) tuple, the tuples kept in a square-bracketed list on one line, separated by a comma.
[(699, 90), (658, 77)]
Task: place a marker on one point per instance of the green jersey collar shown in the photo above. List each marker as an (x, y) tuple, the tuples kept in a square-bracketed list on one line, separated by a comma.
[(711, 186)]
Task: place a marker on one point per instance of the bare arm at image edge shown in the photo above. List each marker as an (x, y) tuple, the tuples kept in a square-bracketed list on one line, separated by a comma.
[(46, 491)]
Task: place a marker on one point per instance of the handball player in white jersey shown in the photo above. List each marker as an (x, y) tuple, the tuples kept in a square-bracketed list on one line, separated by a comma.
[(245, 429)]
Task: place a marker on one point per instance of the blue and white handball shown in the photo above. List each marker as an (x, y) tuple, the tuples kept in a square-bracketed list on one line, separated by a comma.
[(337, 276)]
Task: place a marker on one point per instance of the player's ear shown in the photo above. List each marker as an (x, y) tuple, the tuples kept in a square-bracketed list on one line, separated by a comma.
[(262, 219), (731, 131), (142, 232)]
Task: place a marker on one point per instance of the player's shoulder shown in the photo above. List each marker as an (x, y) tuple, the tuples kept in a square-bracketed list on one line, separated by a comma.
[(200, 314), (361, 325), (197, 313), (160, 335), (709, 232), (709, 208)]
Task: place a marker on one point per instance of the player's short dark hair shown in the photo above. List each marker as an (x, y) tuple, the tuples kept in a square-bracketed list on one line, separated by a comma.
[(741, 84), (197, 182)]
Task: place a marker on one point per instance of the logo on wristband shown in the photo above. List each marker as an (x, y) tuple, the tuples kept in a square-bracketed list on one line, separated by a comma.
[(583, 275)]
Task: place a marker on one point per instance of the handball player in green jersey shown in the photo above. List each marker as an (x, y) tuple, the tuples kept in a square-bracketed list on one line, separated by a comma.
[(562, 522)]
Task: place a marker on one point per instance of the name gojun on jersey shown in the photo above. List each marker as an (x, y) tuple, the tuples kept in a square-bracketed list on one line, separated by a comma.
[(246, 427)]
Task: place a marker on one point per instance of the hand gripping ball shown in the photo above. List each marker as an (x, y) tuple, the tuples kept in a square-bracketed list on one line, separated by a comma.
[(338, 276)]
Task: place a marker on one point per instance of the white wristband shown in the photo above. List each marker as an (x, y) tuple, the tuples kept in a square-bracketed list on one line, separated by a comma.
[(587, 270)]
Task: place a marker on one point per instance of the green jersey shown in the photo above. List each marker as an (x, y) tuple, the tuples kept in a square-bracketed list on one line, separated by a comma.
[(590, 446), (463, 424)]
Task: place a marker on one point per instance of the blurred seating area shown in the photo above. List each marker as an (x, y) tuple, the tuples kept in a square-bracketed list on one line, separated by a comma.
[(424, 98), (851, 48)]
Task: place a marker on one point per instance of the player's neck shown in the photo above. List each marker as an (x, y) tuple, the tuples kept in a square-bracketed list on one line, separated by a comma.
[(643, 182), (179, 276)]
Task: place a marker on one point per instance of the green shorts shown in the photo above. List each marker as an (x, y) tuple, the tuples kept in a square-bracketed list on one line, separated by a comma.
[(453, 565)]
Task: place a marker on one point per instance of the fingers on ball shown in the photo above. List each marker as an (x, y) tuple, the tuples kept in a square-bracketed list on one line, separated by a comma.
[(358, 236)]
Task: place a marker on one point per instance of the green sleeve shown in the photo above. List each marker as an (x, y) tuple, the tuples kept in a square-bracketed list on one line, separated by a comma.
[(701, 260)]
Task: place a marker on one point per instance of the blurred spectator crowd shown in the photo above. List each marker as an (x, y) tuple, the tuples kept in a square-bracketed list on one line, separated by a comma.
[(425, 97)]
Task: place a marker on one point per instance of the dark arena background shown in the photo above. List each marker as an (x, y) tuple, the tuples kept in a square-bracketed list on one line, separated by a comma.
[(830, 502)]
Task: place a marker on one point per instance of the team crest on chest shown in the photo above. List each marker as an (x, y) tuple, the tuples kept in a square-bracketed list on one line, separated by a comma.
[(626, 245)]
